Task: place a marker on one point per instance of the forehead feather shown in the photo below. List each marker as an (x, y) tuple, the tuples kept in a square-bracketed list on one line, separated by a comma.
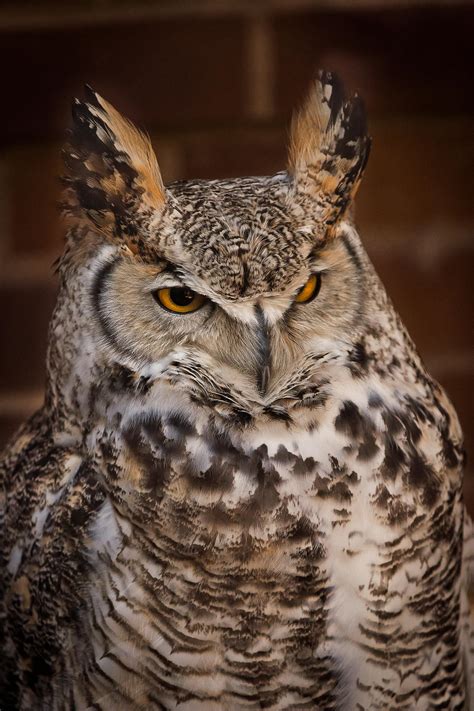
[(240, 235)]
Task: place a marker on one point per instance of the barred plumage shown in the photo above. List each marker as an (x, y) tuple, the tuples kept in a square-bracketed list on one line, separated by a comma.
[(251, 503)]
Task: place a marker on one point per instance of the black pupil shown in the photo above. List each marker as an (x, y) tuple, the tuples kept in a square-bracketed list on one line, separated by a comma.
[(181, 296)]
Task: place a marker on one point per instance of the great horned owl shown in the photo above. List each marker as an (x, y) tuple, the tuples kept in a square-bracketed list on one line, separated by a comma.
[(243, 490)]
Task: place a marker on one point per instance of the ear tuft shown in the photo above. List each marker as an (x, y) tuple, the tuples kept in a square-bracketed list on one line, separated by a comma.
[(91, 96), (329, 148), (112, 176)]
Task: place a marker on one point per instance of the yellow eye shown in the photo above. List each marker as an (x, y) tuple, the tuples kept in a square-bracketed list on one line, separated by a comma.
[(179, 299), (310, 290)]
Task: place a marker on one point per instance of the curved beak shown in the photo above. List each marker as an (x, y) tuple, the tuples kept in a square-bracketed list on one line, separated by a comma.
[(263, 351)]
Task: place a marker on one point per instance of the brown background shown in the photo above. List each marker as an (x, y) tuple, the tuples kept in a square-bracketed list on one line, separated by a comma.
[(214, 83)]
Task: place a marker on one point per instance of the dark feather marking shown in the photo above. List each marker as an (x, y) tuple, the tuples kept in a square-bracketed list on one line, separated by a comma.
[(394, 458), (352, 423), (338, 486), (218, 477), (90, 197), (180, 424), (277, 413), (422, 476), (375, 401), (266, 496), (336, 99), (368, 448), (155, 468), (397, 511), (300, 466), (122, 378), (358, 360), (263, 352), (99, 283)]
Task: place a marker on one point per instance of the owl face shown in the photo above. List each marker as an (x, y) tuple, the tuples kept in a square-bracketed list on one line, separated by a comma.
[(231, 289)]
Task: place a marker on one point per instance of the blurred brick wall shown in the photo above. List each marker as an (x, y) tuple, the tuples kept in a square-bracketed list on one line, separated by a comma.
[(214, 84)]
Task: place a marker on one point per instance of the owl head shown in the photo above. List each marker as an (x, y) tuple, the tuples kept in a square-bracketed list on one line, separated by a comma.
[(231, 294)]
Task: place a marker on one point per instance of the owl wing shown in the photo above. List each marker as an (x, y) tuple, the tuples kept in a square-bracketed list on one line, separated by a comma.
[(49, 493), (467, 607), (21, 466)]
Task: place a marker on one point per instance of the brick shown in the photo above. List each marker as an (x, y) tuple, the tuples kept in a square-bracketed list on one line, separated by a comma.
[(168, 151), (8, 426), (158, 72), (227, 154), (419, 177), (15, 408), (401, 60), (24, 319), (433, 302), (4, 209), (469, 492), (260, 66), (33, 192)]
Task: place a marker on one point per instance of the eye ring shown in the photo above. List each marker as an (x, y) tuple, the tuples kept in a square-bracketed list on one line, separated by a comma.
[(179, 299), (310, 290)]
